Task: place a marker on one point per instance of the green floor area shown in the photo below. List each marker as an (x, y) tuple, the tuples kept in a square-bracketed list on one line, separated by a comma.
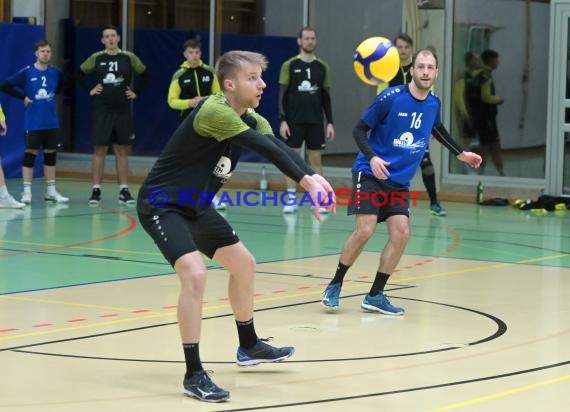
[(49, 246)]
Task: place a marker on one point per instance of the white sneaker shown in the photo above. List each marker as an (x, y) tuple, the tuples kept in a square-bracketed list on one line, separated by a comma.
[(8, 202), (323, 211), (289, 209), (26, 197), (56, 197)]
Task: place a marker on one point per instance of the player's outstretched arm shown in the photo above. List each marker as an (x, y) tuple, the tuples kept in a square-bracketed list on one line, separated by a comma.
[(442, 135), (291, 164)]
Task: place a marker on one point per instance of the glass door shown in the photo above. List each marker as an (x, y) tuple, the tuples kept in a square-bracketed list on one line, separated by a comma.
[(558, 130)]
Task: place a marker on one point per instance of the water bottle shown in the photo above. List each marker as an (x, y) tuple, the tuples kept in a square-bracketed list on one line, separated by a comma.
[(479, 199), (263, 179)]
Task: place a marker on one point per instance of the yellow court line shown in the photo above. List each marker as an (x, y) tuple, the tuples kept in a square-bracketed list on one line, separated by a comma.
[(401, 278), (79, 327), (494, 264), (478, 268), (66, 303), (501, 394), (53, 245), (152, 315), (118, 251), (257, 300), (288, 296)]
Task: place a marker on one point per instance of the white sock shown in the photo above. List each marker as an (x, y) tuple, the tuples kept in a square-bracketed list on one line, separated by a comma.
[(4, 191), (96, 186), (123, 187), (51, 187), (27, 187)]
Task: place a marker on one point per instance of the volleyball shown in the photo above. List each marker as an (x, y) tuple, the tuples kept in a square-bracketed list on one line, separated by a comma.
[(376, 60)]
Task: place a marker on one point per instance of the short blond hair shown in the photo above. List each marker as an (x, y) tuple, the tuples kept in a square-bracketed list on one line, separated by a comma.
[(231, 62)]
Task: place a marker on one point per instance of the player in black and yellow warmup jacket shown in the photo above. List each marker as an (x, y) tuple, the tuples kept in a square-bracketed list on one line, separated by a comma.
[(193, 81)]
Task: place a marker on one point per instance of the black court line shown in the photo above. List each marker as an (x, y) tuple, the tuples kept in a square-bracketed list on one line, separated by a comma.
[(89, 256), (89, 283), (501, 330), (406, 390), (209, 267)]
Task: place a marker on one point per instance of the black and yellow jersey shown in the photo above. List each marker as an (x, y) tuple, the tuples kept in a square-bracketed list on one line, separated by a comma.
[(200, 157), (306, 96), (115, 73), (189, 82), (467, 93)]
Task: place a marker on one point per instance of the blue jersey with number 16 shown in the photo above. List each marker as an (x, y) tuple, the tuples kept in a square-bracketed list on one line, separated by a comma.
[(400, 131)]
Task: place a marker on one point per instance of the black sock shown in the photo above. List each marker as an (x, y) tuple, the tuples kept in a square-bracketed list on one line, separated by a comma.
[(379, 282), (429, 183), (192, 357), (246, 334), (340, 273)]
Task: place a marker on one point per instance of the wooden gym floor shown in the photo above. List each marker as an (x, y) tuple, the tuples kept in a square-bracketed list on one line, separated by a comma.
[(88, 313)]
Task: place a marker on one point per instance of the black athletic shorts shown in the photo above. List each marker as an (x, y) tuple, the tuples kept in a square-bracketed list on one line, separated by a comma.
[(177, 234), (312, 134), (112, 128), (41, 138), (371, 196)]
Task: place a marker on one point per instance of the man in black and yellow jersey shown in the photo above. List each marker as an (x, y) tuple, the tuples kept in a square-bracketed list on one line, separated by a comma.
[(112, 120), (304, 96), (193, 81), (174, 207), (465, 95), (485, 108)]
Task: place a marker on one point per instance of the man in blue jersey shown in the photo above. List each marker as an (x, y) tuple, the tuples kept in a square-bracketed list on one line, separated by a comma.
[(405, 46), (392, 136), (37, 86)]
